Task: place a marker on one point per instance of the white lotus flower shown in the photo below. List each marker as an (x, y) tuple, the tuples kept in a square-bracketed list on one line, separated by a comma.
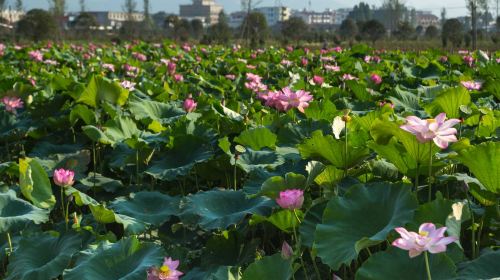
[(337, 126)]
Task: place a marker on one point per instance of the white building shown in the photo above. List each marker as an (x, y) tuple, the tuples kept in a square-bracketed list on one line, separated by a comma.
[(12, 16), (326, 17), (110, 20), (236, 19), (275, 15), (207, 9)]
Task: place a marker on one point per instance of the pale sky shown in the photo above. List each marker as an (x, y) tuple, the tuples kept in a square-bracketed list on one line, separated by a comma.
[(454, 7)]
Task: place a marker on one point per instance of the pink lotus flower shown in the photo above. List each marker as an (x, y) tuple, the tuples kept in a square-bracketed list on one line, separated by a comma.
[(63, 177), (168, 271), (178, 78), (376, 79), (286, 62), (289, 48), (272, 99), (189, 104), (318, 80), (439, 130), (255, 83), (128, 85), (428, 239), (286, 251), (472, 85), (36, 55), (337, 49), (443, 59), (299, 99), (348, 77), (291, 199), (383, 103), (12, 103), (171, 67), (109, 67), (498, 60), (367, 59), (50, 62), (230, 77), (333, 68), (304, 61), (139, 56), (469, 60)]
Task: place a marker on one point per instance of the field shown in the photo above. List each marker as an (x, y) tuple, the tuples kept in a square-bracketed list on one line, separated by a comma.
[(162, 161)]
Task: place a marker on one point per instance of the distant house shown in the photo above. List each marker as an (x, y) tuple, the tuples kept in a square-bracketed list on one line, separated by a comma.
[(326, 17), (111, 20), (275, 15), (207, 9), (426, 19), (11, 17)]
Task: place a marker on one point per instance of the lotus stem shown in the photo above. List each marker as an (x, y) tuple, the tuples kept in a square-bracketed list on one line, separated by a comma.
[(430, 172), (66, 217), (298, 248), (427, 267), (316, 269), (473, 239), (296, 216), (137, 166), (10, 243), (62, 203), (94, 162), (345, 152), (234, 173)]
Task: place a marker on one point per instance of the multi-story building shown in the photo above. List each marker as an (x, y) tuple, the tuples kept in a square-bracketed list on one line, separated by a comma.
[(207, 9), (326, 17), (275, 15), (236, 19), (111, 20), (11, 16), (426, 19)]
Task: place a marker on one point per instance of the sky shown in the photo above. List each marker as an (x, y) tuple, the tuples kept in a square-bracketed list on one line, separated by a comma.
[(454, 7)]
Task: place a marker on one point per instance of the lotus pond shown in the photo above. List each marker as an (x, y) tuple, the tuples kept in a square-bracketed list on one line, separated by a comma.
[(163, 161)]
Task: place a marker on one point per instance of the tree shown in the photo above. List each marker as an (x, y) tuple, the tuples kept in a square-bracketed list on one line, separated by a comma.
[(83, 25), (443, 17), (221, 33), (405, 31), (37, 25), (473, 6), (254, 29), (452, 32), (431, 32), (373, 31), (82, 6), (130, 7), (294, 29), (196, 29), (395, 10), (348, 29), (361, 12), (19, 5)]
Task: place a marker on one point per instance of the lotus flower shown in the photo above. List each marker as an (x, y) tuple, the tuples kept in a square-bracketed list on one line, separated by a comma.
[(439, 130), (168, 271), (63, 177), (171, 67), (36, 55), (128, 85), (318, 80), (469, 60), (333, 68), (337, 126), (109, 67), (12, 103), (230, 77), (190, 104), (428, 239), (472, 85), (376, 79), (178, 78), (304, 61), (291, 199), (286, 251), (348, 77), (299, 99)]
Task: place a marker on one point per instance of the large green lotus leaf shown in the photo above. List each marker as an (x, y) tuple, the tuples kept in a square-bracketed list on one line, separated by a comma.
[(98, 180), (219, 209), (82, 112), (257, 138), (274, 185), (114, 131), (269, 267), (128, 259), (42, 256), (283, 219), (436, 211), (396, 264), (101, 89), (326, 147), (214, 273), (449, 102), (35, 184), (16, 213), (484, 267), (362, 218), (407, 100), (329, 176), (154, 110), (149, 207), (321, 110), (483, 161), (187, 151), (312, 218), (252, 160)]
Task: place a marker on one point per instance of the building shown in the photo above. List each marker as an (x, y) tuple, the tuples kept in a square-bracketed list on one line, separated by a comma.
[(111, 20), (236, 19), (326, 17), (426, 19), (275, 15), (207, 9), (341, 15)]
